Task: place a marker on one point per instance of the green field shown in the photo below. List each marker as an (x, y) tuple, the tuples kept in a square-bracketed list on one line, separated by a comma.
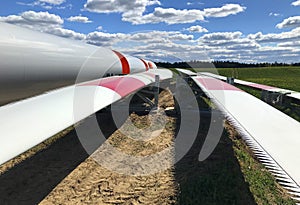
[(287, 77), (283, 77)]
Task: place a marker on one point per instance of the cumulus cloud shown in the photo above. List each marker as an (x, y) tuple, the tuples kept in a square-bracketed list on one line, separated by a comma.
[(244, 44), (33, 19), (293, 21), (110, 39), (290, 44), (171, 45), (256, 54), (66, 33), (155, 45), (176, 16), (296, 3), (104, 39), (229, 42), (170, 52), (226, 10), (276, 37), (197, 29), (42, 21), (257, 47), (128, 7), (270, 50), (168, 16), (221, 36), (80, 19), (233, 46), (134, 11), (46, 4)]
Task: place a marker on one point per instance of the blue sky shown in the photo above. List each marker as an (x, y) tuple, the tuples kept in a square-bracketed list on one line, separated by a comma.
[(161, 30)]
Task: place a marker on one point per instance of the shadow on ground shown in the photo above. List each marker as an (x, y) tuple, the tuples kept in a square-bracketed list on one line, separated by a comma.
[(33, 179), (216, 180)]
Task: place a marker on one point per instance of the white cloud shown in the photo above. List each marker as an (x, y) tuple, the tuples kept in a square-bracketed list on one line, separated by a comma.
[(197, 29), (221, 36), (172, 45), (99, 28), (128, 7), (54, 2), (274, 14), (44, 22), (227, 42), (257, 47), (110, 39), (105, 39), (193, 3), (66, 33), (68, 6), (270, 50), (41, 17), (176, 46), (276, 37), (296, 3), (176, 16), (32, 19), (80, 19), (244, 45), (149, 45), (293, 21), (169, 52), (46, 4), (134, 11), (159, 36), (290, 44), (233, 46), (226, 10), (168, 16)]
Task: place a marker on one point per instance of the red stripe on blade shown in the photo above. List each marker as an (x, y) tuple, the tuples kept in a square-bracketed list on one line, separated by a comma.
[(146, 65), (150, 65), (213, 84), (121, 85), (124, 62)]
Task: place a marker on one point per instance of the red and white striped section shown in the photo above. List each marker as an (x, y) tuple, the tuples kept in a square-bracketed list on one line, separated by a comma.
[(272, 135), (291, 93), (130, 64), (29, 122)]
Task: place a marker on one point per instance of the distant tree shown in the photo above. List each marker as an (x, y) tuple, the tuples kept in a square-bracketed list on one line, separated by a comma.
[(220, 64)]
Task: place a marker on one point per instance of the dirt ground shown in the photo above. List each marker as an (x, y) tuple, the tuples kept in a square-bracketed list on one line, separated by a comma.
[(112, 182)]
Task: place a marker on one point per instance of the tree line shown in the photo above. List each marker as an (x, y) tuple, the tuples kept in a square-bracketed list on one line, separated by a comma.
[(220, 64)]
